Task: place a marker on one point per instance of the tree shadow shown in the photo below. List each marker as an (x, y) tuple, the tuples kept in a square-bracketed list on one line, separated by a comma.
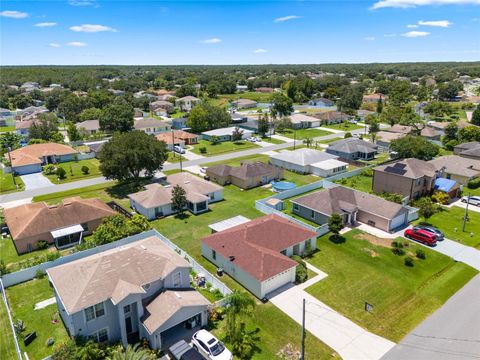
[(121, 190), (182, 216), (337, 239)]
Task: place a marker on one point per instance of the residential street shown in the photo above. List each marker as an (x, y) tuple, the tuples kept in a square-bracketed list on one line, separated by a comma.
[(451, 333)]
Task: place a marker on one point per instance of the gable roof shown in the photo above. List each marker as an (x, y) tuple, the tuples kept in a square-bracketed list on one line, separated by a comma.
[(33, 154), (38, 218), (148, 123), (255, 246), (388, 136), (400, 129), (302, 118), (331, 115), (340, 199), (88, 125), (458, 165), (352, 145), (245, 171), (303, 156), (113, 274), (188, 98), (410, 168)]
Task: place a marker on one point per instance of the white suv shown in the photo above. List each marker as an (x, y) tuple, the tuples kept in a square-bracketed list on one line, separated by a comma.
[(474, 200), (209, 346)]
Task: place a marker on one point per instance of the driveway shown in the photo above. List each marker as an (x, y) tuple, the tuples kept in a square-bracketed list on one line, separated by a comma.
[(349, 340), (35, 181), (459, 203), (452, 332), (189, 155)]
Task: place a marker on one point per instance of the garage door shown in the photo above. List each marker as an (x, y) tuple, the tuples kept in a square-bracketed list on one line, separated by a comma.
[(273, 284), (398, 221)]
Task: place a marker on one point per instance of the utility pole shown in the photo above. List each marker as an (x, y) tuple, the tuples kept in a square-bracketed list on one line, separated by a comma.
[(466, 214), (173, 143), (11, 165), (303, 331), (294, 137)]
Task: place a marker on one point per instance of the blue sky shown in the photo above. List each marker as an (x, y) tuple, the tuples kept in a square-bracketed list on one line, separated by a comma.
[(238, 32)]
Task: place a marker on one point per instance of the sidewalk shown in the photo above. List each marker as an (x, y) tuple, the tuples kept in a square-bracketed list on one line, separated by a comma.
[(349, 340)]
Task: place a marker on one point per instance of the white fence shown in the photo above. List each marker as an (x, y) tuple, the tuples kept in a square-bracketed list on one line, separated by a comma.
[(10, 320)]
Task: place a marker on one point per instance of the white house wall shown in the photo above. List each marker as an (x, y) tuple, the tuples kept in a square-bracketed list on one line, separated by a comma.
[(272, 284)]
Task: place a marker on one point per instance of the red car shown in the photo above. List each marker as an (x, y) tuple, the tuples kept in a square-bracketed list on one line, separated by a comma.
[(422, 236)]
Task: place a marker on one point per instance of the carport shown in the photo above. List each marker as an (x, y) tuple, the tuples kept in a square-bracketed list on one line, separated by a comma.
[(67, 236)]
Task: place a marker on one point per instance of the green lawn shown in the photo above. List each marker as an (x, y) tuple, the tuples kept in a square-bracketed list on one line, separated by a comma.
[(22, 299), (328, 141), (251, 95), (175, 157), (74, 172), (272, 140), (7, 345), (6, 128), (304, 133), (451, 218), (380, 158), (401, 296), (8, 254), (344, 126), (359, 182), (222, 147), (6, 183)]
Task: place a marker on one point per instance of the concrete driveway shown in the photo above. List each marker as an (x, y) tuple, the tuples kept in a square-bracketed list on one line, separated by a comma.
[(452, 332), (35, 181), (349, 340), (459, 203)]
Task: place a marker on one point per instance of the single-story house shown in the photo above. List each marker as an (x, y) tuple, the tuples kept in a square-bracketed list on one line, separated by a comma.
[(469, 150), (331, 117), (22, 128), (327, 168), (242, 88), (63, 225), (373, 98), (385, 138), (177, 138), (321, 102), (179, 123), (246, 176), (96, 146), (156, 200), (303, 161), (152, 126), (362, 114), (353, 206), (441, 125), (238, 118), (161, 107), (225, 134), (228, 223), (88, 127), (447, 186), (244, 103), (300, 121), (29, 159), (145, 294), (353, 149), (187, 103), (264, 90), (458, 168), (257, 253), (430, 134)]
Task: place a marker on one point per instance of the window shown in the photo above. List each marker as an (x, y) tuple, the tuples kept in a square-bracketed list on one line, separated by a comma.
[(295, 207), (312, 215), (177, 279), (214, 255), (146, 286), (100, 335), (85, 226), (126, 309), (95, 311)]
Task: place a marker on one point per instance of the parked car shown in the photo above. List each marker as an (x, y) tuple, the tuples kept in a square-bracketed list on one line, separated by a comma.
[(209, 346), (253, 139), (422, 236), (179, 149), (433, 230), (203, 170), (183, 351), (474, 200)]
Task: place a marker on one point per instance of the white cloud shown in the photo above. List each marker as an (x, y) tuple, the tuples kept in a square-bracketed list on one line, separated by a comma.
[(46, 24), (212, 41), (370, 38), (412, 26), (54, 45), (76, 44), (403, 4), (287, 18), (259, 51), (14, 14), (415, 34), (91, 28), (436, 23)]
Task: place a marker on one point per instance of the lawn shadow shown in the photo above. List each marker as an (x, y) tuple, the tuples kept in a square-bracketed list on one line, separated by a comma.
[(121, 190), (182, 216), (337, 239)]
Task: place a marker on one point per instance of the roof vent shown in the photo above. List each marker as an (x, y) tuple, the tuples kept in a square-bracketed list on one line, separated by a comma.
[(186, 182), (231, 257), (178, 295), (143, 247)]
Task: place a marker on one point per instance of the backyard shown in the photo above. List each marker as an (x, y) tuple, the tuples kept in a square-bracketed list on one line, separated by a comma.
[(304, 133), (363, 268), (360, 182), (7, 345), (7, 185), (221, 147), (345, 126), (450, 221), (45, 322), (73, 171)]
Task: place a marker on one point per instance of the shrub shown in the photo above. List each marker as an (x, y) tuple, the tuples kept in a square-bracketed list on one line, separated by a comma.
[(203, 150), (367, 172), (53, 255), (40, 274), (441, 197), (49, 341), (49, 169), (301, 274), (398, 251), (408, 261), (347, 135), (421, 254), (42, 244), (85, 170), (3, 268), (61, 173), (474, 184), (397, 244)]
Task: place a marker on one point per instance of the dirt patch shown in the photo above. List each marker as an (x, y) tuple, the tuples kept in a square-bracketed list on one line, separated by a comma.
[(387, 243), (289, 352), (371, 252)]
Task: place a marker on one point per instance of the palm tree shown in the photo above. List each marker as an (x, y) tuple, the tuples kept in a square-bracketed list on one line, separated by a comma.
[(308, 141), (132, 353), (238, 304)]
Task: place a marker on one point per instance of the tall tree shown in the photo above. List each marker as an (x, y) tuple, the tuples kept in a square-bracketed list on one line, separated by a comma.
[(415, 147), (263, 125), (379, 106), (126, 155), (73, 133), (281, 105), (45, 127), (476, 116), (238, 305), (426, 207), (237, 134), (335, 224), (373, 129), (179, 199), (117, 117), (205, 116)]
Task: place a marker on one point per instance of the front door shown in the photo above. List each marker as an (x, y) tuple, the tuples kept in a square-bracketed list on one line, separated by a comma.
[(128, 325)]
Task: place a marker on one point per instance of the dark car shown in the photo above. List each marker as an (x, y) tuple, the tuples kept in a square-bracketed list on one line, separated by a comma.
[(433, 230), (422, 236), (183, 351)]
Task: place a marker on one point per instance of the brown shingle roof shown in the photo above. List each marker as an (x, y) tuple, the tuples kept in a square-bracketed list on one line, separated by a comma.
[(411, 168), (339, 199), (244, 171), (255, 246), (32, 154), (148, 123), (113, 274), (88, 125), (457, 165), (38, 218)]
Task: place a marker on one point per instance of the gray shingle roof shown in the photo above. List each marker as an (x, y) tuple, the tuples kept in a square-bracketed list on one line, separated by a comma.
[(352, 145)]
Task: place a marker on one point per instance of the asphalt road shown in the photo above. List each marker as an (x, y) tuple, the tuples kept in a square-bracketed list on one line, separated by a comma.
[(451, 333)]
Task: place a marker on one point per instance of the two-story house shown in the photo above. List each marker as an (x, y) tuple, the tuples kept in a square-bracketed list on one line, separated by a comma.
[(151, 126), (136, 291)]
